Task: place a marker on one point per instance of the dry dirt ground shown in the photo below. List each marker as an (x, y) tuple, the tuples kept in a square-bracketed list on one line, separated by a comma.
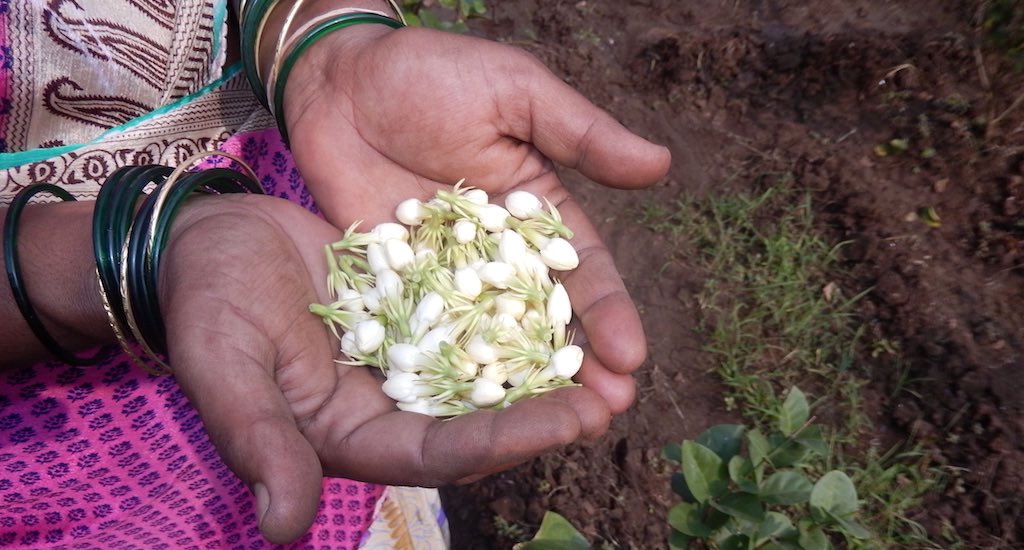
[(738, 88)]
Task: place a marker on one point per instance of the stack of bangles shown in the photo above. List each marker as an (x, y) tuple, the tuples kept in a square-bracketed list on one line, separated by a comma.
[(128, 242), (291, 43)]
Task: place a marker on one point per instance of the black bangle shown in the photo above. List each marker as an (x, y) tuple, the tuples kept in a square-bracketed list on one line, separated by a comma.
[(113, 215), (13, 269), (147, 240)]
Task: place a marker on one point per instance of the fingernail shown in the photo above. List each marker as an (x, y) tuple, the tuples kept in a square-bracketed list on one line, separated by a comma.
[(262, 500)]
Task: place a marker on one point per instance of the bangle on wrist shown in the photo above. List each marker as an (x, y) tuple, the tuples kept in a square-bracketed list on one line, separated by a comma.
[(253, 18), (313, 31), (128, 248), (14, 277)]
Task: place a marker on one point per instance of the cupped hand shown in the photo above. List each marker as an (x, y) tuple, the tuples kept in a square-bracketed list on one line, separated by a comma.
[(376, 116), (236, 282)]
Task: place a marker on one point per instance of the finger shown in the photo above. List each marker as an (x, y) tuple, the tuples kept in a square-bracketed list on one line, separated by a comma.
[(425, 451), (251, 424), (574, 132), (224, 361), (610, 321)]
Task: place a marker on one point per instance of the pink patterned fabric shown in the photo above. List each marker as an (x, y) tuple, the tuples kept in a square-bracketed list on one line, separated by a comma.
[(110, 457)]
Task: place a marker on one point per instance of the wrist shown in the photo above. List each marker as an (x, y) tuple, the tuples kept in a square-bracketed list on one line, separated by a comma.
[(58, 273)]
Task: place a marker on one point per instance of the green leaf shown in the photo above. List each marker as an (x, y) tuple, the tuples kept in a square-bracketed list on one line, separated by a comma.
[(812, 537), (795, 412), (759, 450), (687, 519), (735, 542), (703, 470), (555, 533), (744, 506), (725, 439), (852, 528), (741, 472), (785, 452), (673, 452), (678, 541), (833, 495), (774, 526), (679, 487), (786, 487), (813, 439)]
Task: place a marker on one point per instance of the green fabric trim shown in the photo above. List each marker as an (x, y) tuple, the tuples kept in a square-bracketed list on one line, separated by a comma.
[(220, 13), (10, 160)]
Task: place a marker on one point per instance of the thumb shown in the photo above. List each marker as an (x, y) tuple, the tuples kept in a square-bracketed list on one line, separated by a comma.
[(567, 128), (252, 427)]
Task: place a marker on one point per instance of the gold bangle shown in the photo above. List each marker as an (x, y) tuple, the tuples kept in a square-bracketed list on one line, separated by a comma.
[(288, 42)]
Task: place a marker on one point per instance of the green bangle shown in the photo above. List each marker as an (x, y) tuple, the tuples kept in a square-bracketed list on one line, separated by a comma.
[(252, 19), (112, 217), (149, 238), (307, 40), (12, 267)]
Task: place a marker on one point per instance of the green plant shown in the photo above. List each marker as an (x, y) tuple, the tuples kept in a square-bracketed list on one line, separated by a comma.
[(556, 533), (776, 315), (743, 489), (452, 15)]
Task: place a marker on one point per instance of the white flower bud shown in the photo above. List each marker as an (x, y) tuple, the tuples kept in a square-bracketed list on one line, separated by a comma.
[(404, 357), (567, 361), (389, 284), (468, 282), (411, 212), (371, 299), (497, 274), (389, 230), (464, 231), (493, 217), (560, 255), (517, 377), (399, 254), (476, 196), (522, 204), (559, 308), (348, 344), (369, 335), (510, 306), (431, 341), (376, 258), (403, 387), (350, 299), (495, 372), (423, 406), (481, 351), (512, 247), (430, 308), (535, 267), (467, 367), (486, 393)]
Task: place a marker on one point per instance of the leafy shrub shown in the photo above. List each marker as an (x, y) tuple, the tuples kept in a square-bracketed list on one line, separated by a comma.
[(742, 489)]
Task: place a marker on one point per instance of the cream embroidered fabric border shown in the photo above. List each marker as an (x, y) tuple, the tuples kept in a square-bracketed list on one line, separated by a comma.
[(86, 65)]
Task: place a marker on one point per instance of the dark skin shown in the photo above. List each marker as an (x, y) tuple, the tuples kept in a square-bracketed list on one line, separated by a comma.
[(240, 272)]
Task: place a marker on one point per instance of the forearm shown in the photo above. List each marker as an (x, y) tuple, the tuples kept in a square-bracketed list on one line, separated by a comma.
[(54, 244)]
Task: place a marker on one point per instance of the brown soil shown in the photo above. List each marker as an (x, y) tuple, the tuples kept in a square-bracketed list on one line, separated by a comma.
[(739, 88)]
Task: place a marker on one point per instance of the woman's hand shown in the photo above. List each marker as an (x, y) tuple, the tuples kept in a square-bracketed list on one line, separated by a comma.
[(235, 285), (376, 116)]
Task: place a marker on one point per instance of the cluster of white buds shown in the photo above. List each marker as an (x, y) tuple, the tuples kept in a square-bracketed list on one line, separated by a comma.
[(456, 305)]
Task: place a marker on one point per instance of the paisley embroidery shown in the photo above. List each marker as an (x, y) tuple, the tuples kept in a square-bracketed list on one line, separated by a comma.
[(107, 40), (59, 97)]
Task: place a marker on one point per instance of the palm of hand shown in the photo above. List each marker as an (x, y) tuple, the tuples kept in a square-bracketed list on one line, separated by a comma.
[(377, 116), (259, 368)]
